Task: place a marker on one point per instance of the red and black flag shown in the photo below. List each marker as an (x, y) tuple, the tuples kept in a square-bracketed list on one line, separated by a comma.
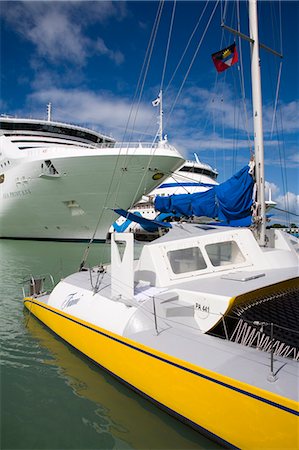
[(225, 58)]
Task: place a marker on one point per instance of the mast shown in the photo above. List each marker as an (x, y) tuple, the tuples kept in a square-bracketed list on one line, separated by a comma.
[(257, 122)]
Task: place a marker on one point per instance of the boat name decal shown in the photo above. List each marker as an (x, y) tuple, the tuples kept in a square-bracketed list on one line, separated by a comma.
[(17, 193), (71, 300), (203, 308)]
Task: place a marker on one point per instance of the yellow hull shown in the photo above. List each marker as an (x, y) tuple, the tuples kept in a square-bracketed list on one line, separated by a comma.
[(232, 412)]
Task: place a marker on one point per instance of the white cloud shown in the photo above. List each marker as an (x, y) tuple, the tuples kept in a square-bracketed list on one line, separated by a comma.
[(101, 47), (289, 202), (103, 111), (225, 110), (271, 187), (57, 38), (295, 157), (57, 29), (211, 123)]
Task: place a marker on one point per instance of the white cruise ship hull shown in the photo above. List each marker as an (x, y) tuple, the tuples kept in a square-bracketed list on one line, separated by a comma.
[(65, 200)]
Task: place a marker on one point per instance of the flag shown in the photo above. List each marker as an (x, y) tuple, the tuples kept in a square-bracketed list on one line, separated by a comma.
[(225, 58), (157, 101)]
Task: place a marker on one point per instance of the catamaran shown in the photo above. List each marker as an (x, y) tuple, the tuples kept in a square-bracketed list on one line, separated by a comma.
[(203, 323)]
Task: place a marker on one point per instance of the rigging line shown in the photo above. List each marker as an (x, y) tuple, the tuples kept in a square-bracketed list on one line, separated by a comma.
[(187, 46), (168, 43), (223, 17), (146, 62), (142, 179), (150, 44), (213, 101), (281, 149), (140, 95), (159, 13), (193, 59), (276, 98), (210, 108), (185, 50), (180, 183), (242, 82), (280, 27), (147, 58), (285, 211), (282, 159)]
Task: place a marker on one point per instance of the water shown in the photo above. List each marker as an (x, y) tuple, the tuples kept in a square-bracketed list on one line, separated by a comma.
[(54, 398)]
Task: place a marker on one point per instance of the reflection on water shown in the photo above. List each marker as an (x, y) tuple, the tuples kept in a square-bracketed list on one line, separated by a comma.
[(51, 396)]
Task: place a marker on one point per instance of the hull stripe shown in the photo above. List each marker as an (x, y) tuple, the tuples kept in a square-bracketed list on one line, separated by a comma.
[(213, 380), (185, 184)]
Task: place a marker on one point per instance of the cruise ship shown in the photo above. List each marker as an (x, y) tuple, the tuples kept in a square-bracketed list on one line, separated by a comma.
[(60, 181)]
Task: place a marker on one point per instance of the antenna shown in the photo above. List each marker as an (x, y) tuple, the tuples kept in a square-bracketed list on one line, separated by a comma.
[(49, 111), (158, 102), (196, 158), (160, 132)]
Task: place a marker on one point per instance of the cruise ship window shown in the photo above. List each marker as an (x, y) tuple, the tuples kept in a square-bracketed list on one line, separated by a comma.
[(186, 260), (224, 253), (53, 129)]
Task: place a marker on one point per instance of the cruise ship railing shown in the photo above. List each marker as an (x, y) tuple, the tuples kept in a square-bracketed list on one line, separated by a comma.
[(129, 145)]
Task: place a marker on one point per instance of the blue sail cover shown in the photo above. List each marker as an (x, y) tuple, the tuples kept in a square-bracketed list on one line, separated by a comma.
[(148, 225), (230, 201)]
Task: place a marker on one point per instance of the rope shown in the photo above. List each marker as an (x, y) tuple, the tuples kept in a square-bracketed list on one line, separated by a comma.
[(187, 46), (193, 59), (147, 57), (285, 211), (168, 43), (242, 83)]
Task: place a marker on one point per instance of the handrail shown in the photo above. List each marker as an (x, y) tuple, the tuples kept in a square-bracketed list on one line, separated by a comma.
[(38, 285)]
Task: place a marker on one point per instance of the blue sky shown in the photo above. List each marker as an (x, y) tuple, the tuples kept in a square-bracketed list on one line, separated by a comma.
[(86, 58)]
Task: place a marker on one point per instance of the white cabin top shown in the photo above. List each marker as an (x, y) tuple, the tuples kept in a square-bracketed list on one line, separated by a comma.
[(191, 252), (198, 167)]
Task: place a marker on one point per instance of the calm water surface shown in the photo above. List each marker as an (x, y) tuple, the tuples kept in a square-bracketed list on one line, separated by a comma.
[(54, 398)]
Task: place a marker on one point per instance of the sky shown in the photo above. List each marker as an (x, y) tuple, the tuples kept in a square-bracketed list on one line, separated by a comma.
[(102, 63)]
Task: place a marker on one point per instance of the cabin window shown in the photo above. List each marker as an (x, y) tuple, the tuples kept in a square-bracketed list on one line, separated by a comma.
[(199, 170), (186, 260), (224, 253)]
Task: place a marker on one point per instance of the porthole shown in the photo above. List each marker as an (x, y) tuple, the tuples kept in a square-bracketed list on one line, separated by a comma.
[(157, 176)]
